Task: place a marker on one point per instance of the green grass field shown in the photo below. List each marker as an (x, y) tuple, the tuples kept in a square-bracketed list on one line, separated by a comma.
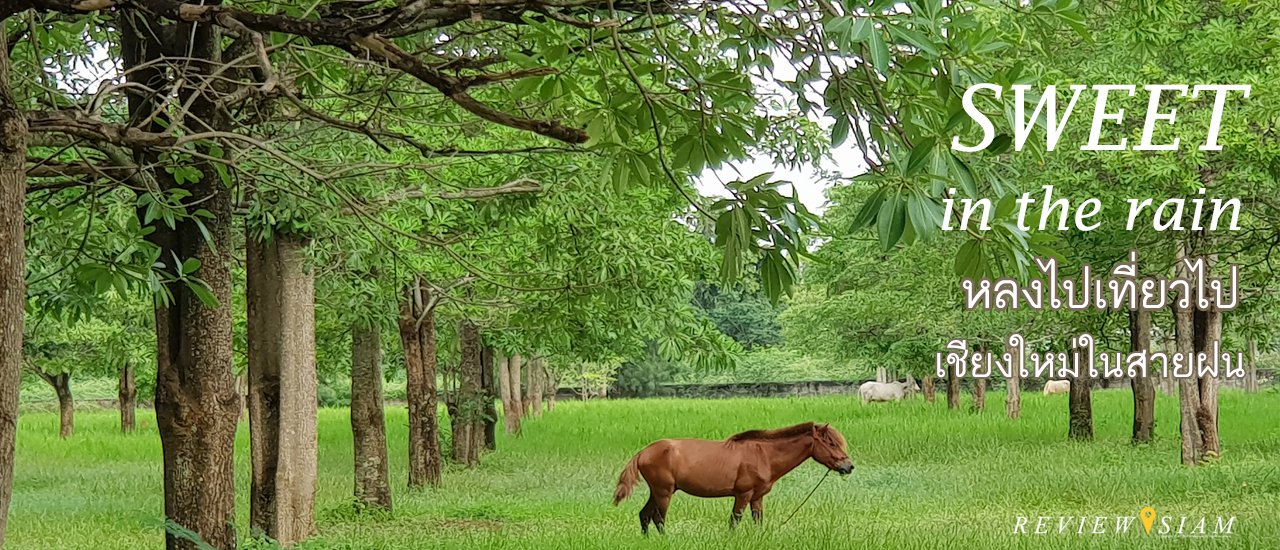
[(925, 478)]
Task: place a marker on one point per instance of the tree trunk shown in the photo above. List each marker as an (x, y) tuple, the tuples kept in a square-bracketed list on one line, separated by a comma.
[(418, 335), (1144, 389), (510, 421), (61, 385), (1080, 407), (1251, 371), (953, 388), (882, 375), (928, 388), (1167, 383), (514, 411), (1192, 449), (526, 398), (128, 399), (469, 423), (537, 383), (1208, 330), (553, 383), (242, 389), (66, 405), (280, 298), (13, 293), (1013, 396), (196, 403), (368, 422), (1197, 331), (489, 391), (980, 388)]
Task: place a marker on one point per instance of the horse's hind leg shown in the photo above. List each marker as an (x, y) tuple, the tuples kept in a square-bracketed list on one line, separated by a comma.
[(646, 515), (661, 501)]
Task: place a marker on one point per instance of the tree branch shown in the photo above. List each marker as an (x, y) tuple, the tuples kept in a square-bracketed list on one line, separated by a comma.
[(520, 186), (357, 38), (53, 169), (73, 123)]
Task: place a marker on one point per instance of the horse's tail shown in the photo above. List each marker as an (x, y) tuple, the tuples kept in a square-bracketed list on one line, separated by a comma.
[(627, 480)]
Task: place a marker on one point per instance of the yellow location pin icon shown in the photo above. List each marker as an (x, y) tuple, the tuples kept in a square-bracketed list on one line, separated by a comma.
[(1148, 516)]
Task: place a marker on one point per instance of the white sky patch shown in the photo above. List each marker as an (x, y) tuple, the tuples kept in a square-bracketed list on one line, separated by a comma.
[(808, 182)]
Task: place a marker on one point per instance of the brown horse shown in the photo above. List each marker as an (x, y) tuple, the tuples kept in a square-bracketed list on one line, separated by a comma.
[(744, 467)]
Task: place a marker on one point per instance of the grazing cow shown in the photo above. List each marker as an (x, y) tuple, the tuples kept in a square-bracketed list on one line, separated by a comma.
[(1057, 386), (886, 391)]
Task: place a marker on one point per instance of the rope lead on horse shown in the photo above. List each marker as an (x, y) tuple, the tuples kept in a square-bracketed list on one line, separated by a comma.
[(806, 498)]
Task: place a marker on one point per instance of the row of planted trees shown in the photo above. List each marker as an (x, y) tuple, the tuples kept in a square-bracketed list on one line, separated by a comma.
[(518, 166), (866, 301)]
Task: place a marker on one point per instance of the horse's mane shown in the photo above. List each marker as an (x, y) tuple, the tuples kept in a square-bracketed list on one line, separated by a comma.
[(780, 433)]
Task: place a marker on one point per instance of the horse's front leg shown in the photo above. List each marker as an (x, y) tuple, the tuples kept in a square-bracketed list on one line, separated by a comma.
[(757, 510), (739, 503)]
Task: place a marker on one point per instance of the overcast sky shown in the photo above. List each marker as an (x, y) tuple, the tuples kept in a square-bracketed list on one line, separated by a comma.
[(845, 161)]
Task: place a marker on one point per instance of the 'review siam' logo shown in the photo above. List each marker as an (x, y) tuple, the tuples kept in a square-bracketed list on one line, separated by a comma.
[(1152, 524)]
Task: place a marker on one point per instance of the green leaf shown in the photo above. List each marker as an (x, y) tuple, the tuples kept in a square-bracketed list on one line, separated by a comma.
[(202, 292), (922, 219), (915, 39), (891, 221), (968, 258), (965, 176), (920, 155), (879, 52), (867, 213), (862, 28)]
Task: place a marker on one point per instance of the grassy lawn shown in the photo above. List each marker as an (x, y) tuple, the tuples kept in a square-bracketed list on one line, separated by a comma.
[(925, 478)]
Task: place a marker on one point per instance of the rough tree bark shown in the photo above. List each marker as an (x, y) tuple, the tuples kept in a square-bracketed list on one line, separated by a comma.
[(1013, 399), (526, 398), (61, 384), (368, 422), (1080, 408), (418, 335), (953, 388), (537, 383), (927, 387), (1197, 330), (882, 375), (1144, 389), (1167, 382), (489, 390), (127, 399), (196, 403), (1208, 329), (509, 419), (513, 412), (1192, 448), (280, 297), (1251, 371), (468, 428), (553, 387), (980, 388), (13, 293)]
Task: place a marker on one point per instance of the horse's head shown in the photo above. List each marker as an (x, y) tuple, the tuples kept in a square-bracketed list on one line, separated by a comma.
[(829, 449)]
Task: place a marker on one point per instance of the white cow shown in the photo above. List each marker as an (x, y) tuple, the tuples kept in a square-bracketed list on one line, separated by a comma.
[(886, 391), (1057, 386)]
